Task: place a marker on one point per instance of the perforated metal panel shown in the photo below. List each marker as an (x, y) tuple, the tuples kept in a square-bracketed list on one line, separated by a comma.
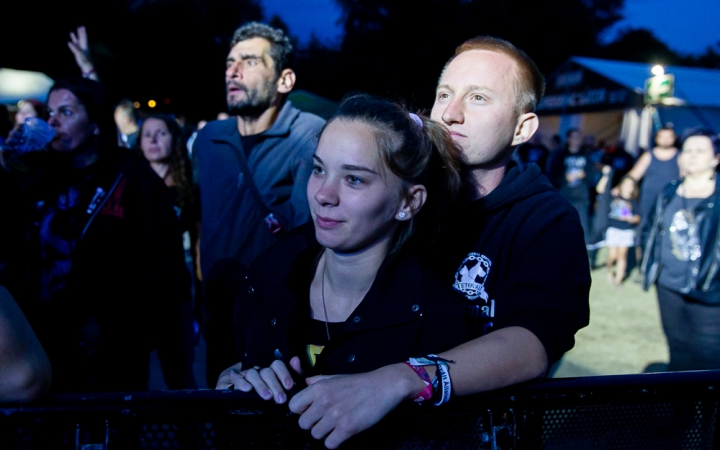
[(652, 411), (244, 433), (677, 426), (426, 433)]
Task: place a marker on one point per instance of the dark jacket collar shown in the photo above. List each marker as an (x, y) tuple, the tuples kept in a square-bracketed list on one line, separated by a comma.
[(516, 185), (396, 290)]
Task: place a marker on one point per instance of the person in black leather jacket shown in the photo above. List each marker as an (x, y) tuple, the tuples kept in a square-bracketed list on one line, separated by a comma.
[(683, 255)]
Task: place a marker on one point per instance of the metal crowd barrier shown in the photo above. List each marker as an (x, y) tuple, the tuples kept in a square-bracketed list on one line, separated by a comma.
[(649, 411)]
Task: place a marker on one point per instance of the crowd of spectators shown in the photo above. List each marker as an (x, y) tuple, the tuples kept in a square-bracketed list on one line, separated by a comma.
[(125, 236)]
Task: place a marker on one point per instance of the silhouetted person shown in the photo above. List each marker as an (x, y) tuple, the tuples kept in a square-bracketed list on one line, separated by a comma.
[(127, 123), (570, 171)]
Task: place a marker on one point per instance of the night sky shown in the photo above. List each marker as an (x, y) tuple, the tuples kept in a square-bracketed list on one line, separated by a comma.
[(685, 26)]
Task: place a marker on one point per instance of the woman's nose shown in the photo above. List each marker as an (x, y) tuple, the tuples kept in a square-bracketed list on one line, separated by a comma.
[(326, 195)]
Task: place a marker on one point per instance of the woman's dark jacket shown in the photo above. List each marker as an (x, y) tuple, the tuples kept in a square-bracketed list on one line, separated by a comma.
[(703, 275), (406, 313)]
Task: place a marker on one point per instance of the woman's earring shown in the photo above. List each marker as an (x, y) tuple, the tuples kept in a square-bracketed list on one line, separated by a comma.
[(401, 215)]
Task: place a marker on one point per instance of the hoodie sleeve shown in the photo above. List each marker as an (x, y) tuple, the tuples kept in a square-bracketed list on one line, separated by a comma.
[(548, 291)]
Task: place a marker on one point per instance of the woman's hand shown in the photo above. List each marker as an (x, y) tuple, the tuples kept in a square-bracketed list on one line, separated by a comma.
[(336, 407), (269, 382)]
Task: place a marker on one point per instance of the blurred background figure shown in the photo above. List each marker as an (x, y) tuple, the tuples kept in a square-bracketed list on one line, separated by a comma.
[(570, 171), (193, 136), (653, 170), (621, 216), (619, 160), (681, 257), (5, 124), (30, 108), (162, 145), (555, 143), (126, 121), (25, 371), (533, 151)]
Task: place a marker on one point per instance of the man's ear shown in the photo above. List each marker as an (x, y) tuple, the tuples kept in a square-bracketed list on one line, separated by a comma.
[(527, 125), (286, 81), (413, 201)]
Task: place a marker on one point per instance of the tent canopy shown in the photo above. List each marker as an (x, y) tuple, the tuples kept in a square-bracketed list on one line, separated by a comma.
[(588, 84), (16, 85)]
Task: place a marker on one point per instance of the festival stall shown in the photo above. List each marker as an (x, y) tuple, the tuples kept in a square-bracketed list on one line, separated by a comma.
[(627, 101)]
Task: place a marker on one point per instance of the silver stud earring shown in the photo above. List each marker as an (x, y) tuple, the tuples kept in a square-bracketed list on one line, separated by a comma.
[(401, 215)]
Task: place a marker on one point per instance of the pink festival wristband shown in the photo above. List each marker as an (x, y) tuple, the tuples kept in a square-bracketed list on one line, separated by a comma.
[(427, 392)]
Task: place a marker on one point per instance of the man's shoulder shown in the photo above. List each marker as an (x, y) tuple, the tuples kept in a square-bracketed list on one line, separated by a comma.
[(217, 128), (310, 119), (306, 123)]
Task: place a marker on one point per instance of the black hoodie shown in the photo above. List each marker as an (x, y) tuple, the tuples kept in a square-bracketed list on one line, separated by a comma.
[(518, 256)]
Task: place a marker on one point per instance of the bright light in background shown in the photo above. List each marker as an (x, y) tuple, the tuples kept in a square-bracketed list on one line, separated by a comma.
[(136, 104), (152, 103), (658, 70), (16, 85)]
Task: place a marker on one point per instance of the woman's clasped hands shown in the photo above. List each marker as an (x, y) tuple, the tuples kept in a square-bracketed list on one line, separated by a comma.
[(270, 383)]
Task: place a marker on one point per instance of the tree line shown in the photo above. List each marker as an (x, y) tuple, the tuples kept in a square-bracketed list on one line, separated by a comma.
[(176, 49)]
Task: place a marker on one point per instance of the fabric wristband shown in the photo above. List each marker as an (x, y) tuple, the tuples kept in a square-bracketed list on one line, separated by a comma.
[(427, 392), (442, 386)]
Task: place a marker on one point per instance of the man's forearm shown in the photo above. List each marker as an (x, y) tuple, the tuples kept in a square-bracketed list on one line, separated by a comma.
[(501, 358)]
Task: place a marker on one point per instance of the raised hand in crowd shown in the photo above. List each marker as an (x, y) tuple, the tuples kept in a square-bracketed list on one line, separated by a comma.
[(79, 47)]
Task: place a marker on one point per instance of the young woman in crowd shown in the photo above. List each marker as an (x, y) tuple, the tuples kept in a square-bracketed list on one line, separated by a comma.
[(346, 293), (622, 218), (162, 144), (682, 257), (30, 108)]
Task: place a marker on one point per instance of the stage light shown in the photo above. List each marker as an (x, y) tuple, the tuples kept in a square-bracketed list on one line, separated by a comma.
[(152, 103), (658, 70)]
